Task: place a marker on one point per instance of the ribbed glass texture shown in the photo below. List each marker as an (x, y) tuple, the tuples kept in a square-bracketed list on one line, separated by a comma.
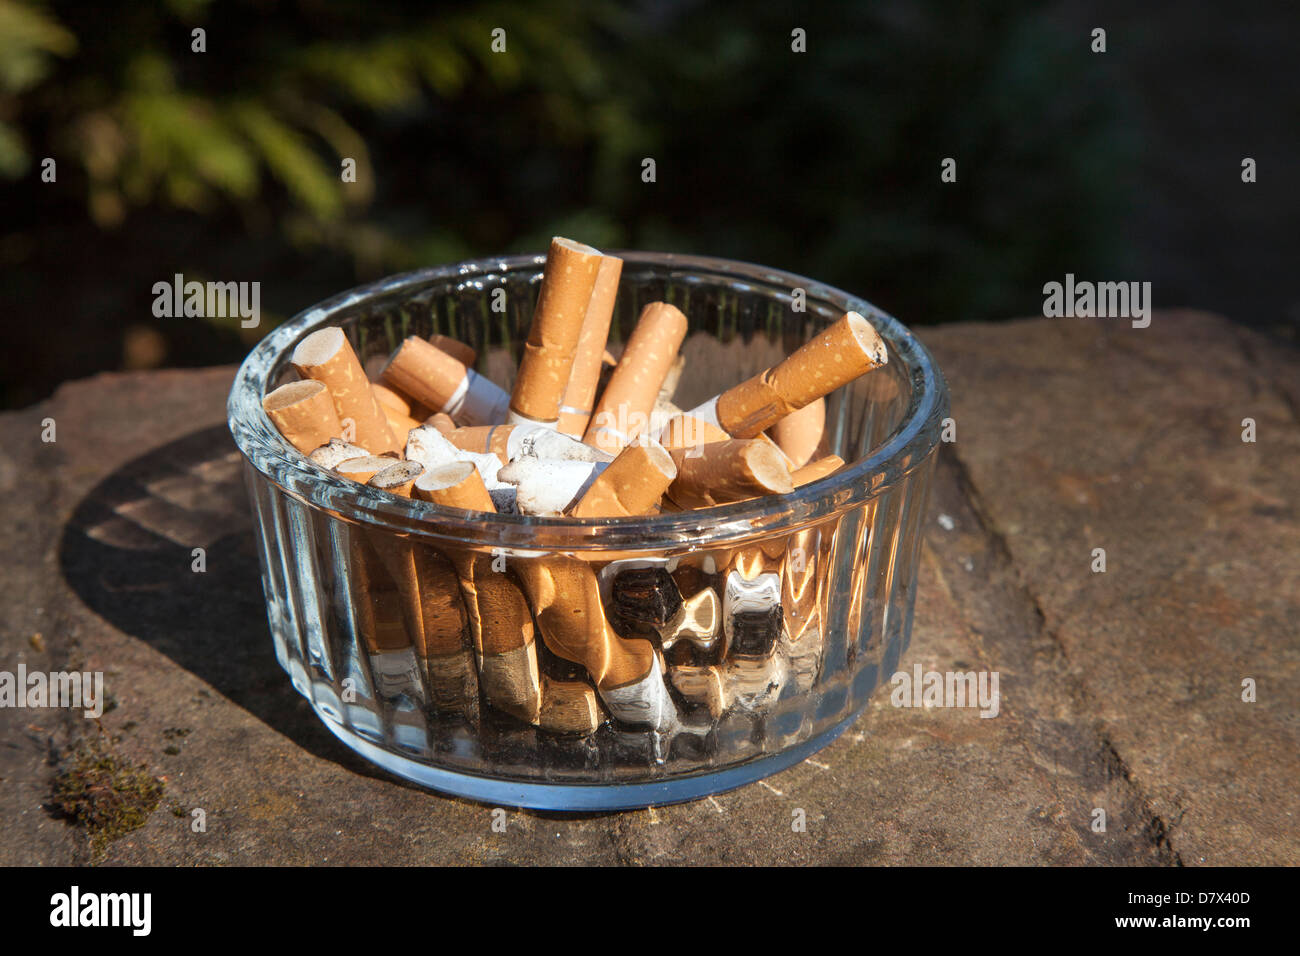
[(458, 714)]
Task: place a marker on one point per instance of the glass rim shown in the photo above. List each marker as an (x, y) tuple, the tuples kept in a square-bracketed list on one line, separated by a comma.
[(909, 444)]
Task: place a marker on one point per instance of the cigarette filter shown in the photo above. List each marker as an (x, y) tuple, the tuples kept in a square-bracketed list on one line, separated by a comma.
[(326, 356), (800, 432), (816, 470), (565, 598), (543, 376), (623, 411), (631, 484), (444, 384), (462, 353), (363, 469), (580, 394), (570, 707), (304, 413), (334, 452), (457, 485), (845, 350), (546, 486), (509, 442), (720, 472), (687, 431), (441, 421), (502, 631)]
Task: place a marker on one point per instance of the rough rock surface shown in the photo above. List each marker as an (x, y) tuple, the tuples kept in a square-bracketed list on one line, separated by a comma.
[(1121, 690)]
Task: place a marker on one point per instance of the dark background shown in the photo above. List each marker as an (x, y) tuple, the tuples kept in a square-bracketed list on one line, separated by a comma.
[(224, 165)]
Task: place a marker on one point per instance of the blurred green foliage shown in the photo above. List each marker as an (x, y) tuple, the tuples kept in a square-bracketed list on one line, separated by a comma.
[(825, 162)]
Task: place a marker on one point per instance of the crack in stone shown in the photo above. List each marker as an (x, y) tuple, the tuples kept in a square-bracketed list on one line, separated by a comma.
[(1156, 832)]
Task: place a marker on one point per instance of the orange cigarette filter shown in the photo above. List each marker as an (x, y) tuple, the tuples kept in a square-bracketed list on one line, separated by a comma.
[(816, 470), (457, 349), (686, 431), (631, 484), (304, 412), (400, 423), (580, 394), (848, 348), (566, 600), (363, 469), (800, 433), (567, 284), (456, 485), (326, 356), (441, 421), (443, 383), (397, 478), (390, 399), (482, 438), (623, 411), (721, 472)]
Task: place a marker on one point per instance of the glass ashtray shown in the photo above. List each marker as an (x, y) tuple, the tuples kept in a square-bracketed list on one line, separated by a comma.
[(812, 592)]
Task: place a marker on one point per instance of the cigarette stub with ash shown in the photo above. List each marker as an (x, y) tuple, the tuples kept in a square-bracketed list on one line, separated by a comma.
[(579, 436)]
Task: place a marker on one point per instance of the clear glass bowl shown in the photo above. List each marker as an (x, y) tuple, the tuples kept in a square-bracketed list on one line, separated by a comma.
[(844, 552)]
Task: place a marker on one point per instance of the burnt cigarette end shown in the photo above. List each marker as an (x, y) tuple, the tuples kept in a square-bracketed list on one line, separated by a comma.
[(645, 599), (754, 633)]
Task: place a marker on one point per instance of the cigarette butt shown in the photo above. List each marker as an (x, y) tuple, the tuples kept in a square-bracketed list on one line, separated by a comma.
[(644, 598), (663, 413), (397, 478), (720, 472), (429, 593), (334, 452), (850, 347), (390, 399), (800, 432), (623, 411), (304, 413), (400, 424), (816, 470), (696, 622), (457, 349), (502, 632), (363, 469), (570, 707), (509, 442), (752, 615), (457, 485), (430, 447), (442, 644), (327, 356), (669, 387), (703, 686), (749, 684), (546, 486), (580, 393), (543, 376), (565, 598), (395, 401), (482, 438), (375, 601), (441, 421), (687, 431), (443, 383), (631, 484)]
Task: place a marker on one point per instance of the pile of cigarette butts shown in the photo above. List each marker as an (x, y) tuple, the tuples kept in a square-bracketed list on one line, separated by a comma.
[(658, 638)]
